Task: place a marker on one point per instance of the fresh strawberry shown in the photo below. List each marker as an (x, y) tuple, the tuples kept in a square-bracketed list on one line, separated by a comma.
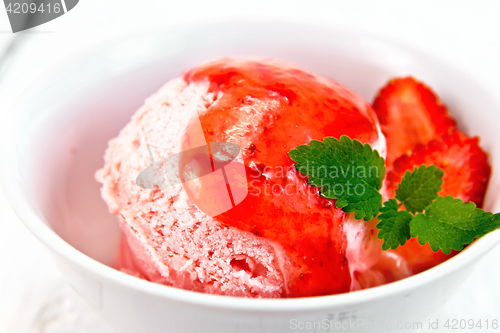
[(466, 174), (465, 166), (421, 257), (268, 107), (409, 114)]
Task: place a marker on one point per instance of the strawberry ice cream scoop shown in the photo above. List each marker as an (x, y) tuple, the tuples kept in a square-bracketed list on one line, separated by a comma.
[(281, 239)]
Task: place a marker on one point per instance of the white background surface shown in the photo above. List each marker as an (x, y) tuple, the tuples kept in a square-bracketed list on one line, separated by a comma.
[(33, 298)]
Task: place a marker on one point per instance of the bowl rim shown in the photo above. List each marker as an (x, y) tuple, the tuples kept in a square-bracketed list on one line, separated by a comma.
[(28, 216)]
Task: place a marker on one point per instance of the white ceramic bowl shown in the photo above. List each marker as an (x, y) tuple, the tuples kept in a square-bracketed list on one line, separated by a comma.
[(67, 116)]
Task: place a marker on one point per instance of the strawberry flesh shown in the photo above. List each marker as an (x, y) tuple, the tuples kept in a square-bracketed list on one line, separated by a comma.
[(410, 113), (465, 166)]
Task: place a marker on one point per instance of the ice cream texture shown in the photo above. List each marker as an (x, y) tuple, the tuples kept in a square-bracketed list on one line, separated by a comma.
[(283, 239)]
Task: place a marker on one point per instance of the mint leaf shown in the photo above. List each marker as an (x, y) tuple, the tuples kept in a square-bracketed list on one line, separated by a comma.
[(419, 188), (394, 225), (345, 170), (450, 223), (493, 224)]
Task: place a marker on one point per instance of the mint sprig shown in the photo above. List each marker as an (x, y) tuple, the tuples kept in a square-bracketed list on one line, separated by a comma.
[(417, 190), (339, 167), (345, 170)]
